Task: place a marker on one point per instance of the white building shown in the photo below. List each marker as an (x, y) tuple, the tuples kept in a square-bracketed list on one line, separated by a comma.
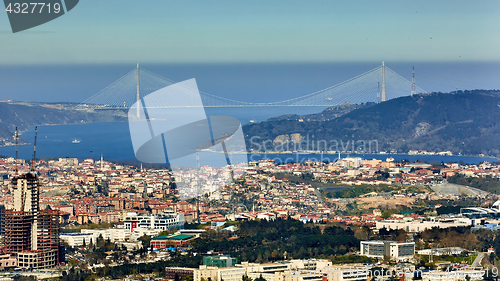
[(398, 251), (77, 239), (442, 251), (131, 246), (294, 270), (162, 221), (265, 267), (347, 272), (411, 225), (351, 162), (120, 234), (111, 234), (267, 276), (218, 274), (230, 273)]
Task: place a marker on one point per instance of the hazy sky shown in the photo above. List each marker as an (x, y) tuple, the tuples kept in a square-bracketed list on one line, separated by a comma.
[(163, 31)]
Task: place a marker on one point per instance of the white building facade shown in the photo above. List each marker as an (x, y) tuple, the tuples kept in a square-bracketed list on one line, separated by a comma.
[(162, 221), (398, 251)]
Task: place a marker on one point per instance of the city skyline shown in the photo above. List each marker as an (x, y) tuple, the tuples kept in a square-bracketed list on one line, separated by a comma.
[(283, 140)]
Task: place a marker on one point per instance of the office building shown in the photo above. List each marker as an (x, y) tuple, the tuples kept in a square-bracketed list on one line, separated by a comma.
[(398, 251), (162, 221)]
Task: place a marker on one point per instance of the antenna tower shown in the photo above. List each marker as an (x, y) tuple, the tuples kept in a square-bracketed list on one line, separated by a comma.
[(34, 152), (413, 87), (198, 191), (16, 136), (378, 92)]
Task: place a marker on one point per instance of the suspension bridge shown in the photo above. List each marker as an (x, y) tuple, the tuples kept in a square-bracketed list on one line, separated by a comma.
[(376, 85)]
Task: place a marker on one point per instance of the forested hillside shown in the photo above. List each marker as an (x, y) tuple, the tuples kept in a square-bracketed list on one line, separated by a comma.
[(464, 123)]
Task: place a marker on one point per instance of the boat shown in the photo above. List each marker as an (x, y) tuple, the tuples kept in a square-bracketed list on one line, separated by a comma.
[(76, 141)]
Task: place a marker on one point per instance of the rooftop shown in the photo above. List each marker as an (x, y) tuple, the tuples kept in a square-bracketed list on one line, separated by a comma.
[(174, 237)]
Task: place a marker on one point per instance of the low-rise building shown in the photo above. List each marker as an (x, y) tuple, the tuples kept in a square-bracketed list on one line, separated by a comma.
[(230, 273), (166, 241), (113, 234), (8, 261), (422, 225), (37, 259), (77, 239), (442, 251), (219, 261), (180, 272), (352, 272), (162, 221), (205, 272), (398, 251)]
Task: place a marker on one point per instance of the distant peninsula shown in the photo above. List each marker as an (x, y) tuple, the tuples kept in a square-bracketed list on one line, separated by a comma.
[(27, 114)]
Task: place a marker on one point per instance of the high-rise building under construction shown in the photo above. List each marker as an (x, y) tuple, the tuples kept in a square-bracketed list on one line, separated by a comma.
[(30, 235)]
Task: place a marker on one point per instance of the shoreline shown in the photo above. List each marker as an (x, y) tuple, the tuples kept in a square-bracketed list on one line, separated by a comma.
[(99, 139), (491, 159), (321, 153)]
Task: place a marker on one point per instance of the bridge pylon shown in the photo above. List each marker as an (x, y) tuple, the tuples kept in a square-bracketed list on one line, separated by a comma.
[(138, 92)]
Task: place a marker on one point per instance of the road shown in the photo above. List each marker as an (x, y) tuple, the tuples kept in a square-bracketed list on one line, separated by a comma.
[(477, 261), (318, 194)]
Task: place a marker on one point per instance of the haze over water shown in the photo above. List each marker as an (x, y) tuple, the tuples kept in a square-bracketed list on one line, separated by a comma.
[(243, 81)]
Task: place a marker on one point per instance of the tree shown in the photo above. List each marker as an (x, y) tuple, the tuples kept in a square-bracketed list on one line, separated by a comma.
[(259, 258), (260, 278), (496, 244), (491, 258), (386, 214), (73, 263), (100, 241), (145, 240)]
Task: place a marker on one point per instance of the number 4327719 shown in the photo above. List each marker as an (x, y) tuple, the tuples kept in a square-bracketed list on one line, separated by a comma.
[(31, 8)]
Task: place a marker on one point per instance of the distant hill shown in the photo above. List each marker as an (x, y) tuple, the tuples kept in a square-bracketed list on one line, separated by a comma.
[(465, 122), (26, 114), (326, 115)]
